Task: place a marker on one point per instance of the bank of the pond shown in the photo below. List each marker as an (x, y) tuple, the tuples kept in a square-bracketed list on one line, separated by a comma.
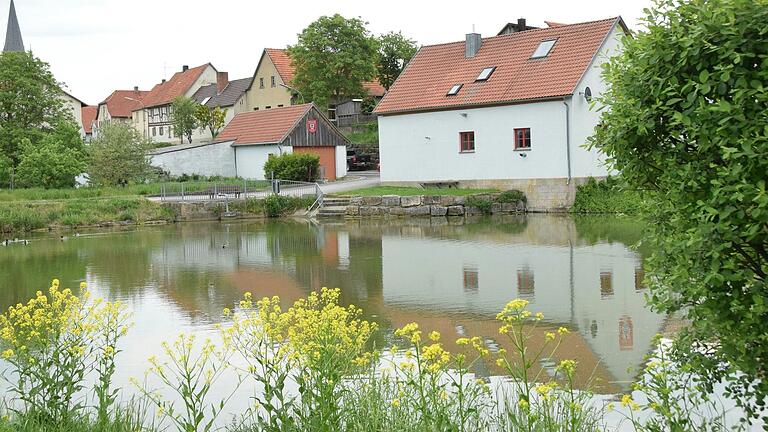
[(435, 205), (25, 216), (608, 197)]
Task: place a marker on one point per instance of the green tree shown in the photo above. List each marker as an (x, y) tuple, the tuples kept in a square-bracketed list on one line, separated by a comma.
[(333, 57), (31, 103), (183, 120), (211, 119), (688, 109), (395, 51), (118, 155), (6, 164), (55, 161)]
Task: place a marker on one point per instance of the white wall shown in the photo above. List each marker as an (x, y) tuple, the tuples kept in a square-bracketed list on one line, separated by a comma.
[(583, 119), (208, 160), (425, 146), (341, 161), (251, 159)]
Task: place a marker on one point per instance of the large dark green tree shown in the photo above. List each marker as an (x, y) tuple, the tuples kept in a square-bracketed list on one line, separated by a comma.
[(688, 119), (395, 51), (333, 57), (31, 103), (118, 155)]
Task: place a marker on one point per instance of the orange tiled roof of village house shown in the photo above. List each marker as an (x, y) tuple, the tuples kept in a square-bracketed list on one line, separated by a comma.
[(122, 102), (426, 80), (264, 126), (180, 82)]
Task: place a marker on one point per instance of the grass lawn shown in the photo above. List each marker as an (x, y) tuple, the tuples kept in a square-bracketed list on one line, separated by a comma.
[(407, 191)]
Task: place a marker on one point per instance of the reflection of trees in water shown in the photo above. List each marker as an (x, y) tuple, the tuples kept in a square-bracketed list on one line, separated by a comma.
[(27, 269), (596, 229)]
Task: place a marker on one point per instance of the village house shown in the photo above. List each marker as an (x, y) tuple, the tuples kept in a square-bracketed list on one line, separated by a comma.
[(271, 87), (231, 98), (88, 114), (118, 107), (509, 111), (246, 143), (153, 117)]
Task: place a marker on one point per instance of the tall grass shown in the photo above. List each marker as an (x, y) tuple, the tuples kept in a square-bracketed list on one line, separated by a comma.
[(609, 196), (28, 216)]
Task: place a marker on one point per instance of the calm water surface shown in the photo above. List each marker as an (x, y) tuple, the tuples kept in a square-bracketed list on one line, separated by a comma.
[(582, 273)]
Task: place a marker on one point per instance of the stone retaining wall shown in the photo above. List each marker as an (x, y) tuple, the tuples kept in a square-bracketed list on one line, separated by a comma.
[(426, 206)]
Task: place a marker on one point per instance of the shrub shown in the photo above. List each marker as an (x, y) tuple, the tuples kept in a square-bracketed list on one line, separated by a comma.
[(608, 196), (483, 204), (511, 196), (293, 166), (55, 161), (118, 156)]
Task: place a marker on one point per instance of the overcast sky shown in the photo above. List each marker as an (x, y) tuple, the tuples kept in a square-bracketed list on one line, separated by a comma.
[(97, 46)]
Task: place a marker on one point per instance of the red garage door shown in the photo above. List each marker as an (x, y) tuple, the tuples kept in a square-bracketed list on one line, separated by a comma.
[(327, 158)]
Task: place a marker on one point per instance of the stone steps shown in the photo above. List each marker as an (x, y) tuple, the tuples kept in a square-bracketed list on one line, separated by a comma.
[(333, 207)]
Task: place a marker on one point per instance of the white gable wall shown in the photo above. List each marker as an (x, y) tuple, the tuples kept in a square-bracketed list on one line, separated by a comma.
[(251, 159), (583, 120)]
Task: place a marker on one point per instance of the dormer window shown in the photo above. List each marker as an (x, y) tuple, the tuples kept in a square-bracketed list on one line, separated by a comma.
[(543, 49), (454, 90), (485, 74)]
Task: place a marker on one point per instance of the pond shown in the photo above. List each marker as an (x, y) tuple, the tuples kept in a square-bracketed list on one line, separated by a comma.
[(454, 277)]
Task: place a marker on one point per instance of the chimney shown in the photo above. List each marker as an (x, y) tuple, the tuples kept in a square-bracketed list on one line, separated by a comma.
[(185, 68), (521, 24), (135, 88), (163, 81), (222, 79), (474, 40)]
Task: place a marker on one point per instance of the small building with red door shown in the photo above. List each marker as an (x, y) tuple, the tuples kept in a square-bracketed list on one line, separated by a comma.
[(246, 143)]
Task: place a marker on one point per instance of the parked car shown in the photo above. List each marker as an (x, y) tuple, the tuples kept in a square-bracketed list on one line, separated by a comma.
[(359, 161)]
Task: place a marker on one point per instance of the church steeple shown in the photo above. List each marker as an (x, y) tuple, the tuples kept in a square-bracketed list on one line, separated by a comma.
[(13, 41)]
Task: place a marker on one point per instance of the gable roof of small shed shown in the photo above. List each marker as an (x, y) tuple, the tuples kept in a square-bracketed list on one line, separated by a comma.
[(264, 126)]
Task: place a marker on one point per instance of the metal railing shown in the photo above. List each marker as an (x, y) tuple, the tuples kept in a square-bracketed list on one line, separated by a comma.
[(299, 190), (233, 190), (223, 190)]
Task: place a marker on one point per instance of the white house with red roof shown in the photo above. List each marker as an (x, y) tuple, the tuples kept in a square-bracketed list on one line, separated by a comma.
[(247, 142), (509, 111)]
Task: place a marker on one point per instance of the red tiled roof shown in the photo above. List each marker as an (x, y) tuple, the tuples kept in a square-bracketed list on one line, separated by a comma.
[(282, 63), (374, 88), (285, 68), (434, 69), (119, 104), (88, 114), (180, 82), (263, 126)]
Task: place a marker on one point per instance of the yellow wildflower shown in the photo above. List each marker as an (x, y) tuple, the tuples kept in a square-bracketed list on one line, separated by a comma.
[(549, 336), (434, 336), (562, 331)]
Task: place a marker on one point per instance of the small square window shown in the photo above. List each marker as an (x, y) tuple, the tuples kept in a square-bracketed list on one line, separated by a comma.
[(268, 107), (273, 81), (280, 105), (523, 139), (485, 74), (261, 82), (543, 49), (467, 142), (454, 90)]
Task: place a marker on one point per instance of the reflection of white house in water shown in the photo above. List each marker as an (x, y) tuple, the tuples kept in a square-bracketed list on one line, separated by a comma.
[(592, 287)]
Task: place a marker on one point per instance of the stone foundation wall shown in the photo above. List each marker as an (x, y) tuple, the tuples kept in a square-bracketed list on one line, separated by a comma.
[(426, 206), (544, 195)]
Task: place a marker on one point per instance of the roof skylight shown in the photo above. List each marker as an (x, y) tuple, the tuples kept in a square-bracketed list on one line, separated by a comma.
[(454, 90), (486, 73), (544, 48), (205, 101)]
